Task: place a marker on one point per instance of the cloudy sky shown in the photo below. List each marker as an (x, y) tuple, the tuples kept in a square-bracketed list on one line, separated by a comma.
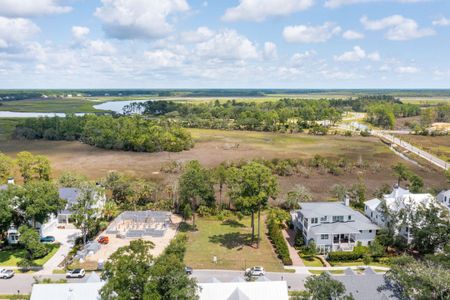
[(224, 43)]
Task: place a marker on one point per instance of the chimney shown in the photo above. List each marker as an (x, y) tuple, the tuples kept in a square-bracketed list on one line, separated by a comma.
[(10, 180), (346, 200)]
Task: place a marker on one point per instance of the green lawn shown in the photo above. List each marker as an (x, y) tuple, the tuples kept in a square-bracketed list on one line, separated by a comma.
[(311, 261), (10, 258), (358, 263), (228, 241)]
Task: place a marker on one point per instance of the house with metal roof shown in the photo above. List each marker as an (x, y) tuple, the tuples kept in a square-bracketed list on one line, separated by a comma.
[(333, 226), (378, 210)]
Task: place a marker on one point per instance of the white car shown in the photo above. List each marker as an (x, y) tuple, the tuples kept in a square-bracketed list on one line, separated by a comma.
[(76, 273), (6, 274), (255, 271)]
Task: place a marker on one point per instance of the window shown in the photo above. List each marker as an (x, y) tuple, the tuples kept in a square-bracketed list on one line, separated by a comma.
[(323, 219), (371, 214), (370, 231), (360, 231), (324, 236), (338, 218), (349, 218), (336, 238), (314, 220)]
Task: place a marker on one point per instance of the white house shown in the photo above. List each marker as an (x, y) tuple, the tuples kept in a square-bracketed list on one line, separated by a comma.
[(444, 198), (257, 290), (71, 195), (333, 226), (399, 199)]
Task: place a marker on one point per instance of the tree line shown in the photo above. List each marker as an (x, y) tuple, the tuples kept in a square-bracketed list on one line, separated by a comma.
[(285, 115), (127, 133)]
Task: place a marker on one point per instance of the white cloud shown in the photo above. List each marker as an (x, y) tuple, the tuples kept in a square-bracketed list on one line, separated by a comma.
[(399, 28), (301, 57), (79, 32), (352, 35), (135, 19), (228, 44), (375, 56), (441, 22), (310, 34), (407, 70), (339, 3), (259, 10), (164, 58), (15, 30), (357, 54), (270, 50), (100, 47), (200, 35), (29, 8)]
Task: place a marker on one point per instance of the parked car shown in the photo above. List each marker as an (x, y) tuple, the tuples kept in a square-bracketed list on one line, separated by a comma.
[(188, 270), (6, 274), (48, 239), (255, 271), (103, 240), (76, 273)]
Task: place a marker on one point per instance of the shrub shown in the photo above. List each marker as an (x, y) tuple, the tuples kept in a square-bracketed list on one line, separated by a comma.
[(357, 253), (299, 240), (279, 242), (205, 211)]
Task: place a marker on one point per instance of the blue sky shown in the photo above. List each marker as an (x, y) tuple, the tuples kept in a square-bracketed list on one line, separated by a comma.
[(224, 44)]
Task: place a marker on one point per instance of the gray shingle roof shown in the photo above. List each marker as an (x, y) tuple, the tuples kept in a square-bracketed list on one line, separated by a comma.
[(314, 209), (71, 196), (364, 287)]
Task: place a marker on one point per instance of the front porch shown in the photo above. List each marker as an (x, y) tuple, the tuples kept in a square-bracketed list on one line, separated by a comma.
[(344, 242)]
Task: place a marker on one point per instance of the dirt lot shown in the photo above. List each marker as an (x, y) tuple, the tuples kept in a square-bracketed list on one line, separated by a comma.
[(213, 147)]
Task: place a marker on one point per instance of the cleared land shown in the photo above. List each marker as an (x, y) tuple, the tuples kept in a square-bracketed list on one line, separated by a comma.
[(215, 146), (437, 145), (228, 241)]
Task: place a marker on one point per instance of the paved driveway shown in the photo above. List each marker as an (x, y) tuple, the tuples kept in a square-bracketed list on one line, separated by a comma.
[(67, 239)]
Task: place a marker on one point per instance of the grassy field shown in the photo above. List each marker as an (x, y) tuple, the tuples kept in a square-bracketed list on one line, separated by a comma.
[(67, 105), (10, 258), (437, 145), (358, 263), (7, 126), (215, 146), (228, 241)]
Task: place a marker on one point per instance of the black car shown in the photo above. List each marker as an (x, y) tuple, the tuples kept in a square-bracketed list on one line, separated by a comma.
[(188, 270)]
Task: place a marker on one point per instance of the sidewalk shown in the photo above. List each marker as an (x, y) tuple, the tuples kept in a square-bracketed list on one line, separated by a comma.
[(305, 270), (289, 236)]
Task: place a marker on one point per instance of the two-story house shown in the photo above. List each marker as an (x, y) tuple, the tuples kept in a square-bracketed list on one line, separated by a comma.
[(333, 226), (379, 210)]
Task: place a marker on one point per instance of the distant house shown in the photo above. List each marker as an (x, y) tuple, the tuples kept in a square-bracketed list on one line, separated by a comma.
[(333, 226), (258, 290), (444, 198), (399, 199)]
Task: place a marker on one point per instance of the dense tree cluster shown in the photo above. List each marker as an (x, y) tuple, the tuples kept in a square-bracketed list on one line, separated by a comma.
[(133, 273), (120, 133), (282, 115)]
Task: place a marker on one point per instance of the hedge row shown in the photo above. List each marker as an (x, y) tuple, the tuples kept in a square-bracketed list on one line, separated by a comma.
[(357, 253), (278, 241)]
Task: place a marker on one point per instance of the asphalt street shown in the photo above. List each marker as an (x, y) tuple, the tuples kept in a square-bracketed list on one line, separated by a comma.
[(22, 283)]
